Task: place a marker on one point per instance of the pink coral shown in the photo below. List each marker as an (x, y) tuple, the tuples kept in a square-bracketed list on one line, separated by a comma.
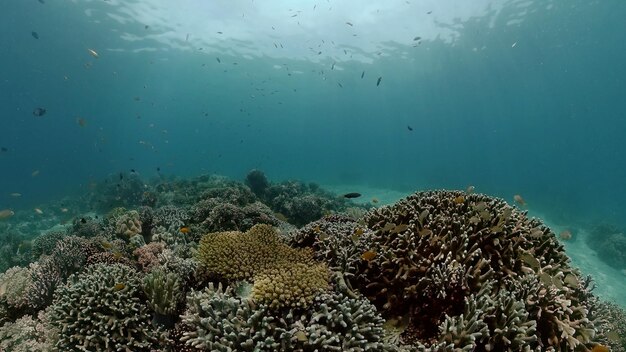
[(148, 255)]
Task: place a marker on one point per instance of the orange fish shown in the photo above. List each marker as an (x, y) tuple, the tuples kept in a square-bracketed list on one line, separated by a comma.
[(185, 230), (368, 255), (119, 286), (459, 200), (519, 200)]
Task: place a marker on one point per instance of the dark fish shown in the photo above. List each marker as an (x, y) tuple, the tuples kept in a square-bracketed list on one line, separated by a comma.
[(340, 86), (146, 27), (158, 169), (34, 34), (333, 66), (218, 60), (349, 24), (429, 12), (409, 128), (4, 149), (39, 111), (352, 195), (378, 81), (362, 74), (132, 170), (83, 220), (417, 38), (121, 177)]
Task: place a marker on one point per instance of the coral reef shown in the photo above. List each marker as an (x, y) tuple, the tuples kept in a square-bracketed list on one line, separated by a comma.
[(239, 256), (163, 291), (433, 249), (14, 284), (148, 255), (258, 182), (292, 286), (46, 243), (102, 309), (218, 320), (128, 224), (28, 335)]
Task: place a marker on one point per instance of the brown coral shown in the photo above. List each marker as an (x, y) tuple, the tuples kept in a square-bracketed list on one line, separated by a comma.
[(239, 256), (294, 285)]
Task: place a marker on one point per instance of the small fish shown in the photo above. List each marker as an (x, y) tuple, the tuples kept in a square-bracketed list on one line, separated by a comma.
[(349, 24), (81, 121), (519, 200), (470, 189), (409, 128), (378, 81), (459, 200), (41, 2), (34, 34), (146, 27), (220, 32), (158, 169), (565, 235), (64, 210), (474, 220), (6, 213), (38, 211), (362, 74), (15, 194), (34, 173), (571, 280), (359, 232), (368, 255), (187, 37), (218, 60), (375, 200), (388, 226), (121, 176), (185, 230), (613, 336), (416, 39), (39, 112), (4, 149), (332, 67), (423, 214), (119, 286), (352, 195), (93, 53), (480, 206), (340, 86), (323, 236)]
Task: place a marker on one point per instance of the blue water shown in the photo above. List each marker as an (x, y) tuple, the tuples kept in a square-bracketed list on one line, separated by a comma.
[(513, 97)]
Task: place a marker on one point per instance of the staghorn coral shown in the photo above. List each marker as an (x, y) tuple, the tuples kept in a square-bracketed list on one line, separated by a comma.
[(293, 285), (239, 256), (433, 249), (218, 320), (101, 309)]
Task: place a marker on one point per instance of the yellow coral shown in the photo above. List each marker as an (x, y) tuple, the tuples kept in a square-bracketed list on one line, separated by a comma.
[(239, 256), (294, 285)]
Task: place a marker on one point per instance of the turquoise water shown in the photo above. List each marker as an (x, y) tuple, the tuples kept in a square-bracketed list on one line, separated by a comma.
[(513, 97)]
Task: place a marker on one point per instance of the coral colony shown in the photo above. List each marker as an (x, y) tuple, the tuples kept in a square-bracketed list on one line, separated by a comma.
[(210, 264)]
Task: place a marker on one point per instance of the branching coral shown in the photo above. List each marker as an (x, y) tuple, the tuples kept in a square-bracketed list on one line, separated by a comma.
[(102, 309), (432, 249), (46, 243), (218, 320), (239, 256), (148, 255), (163, 291)]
